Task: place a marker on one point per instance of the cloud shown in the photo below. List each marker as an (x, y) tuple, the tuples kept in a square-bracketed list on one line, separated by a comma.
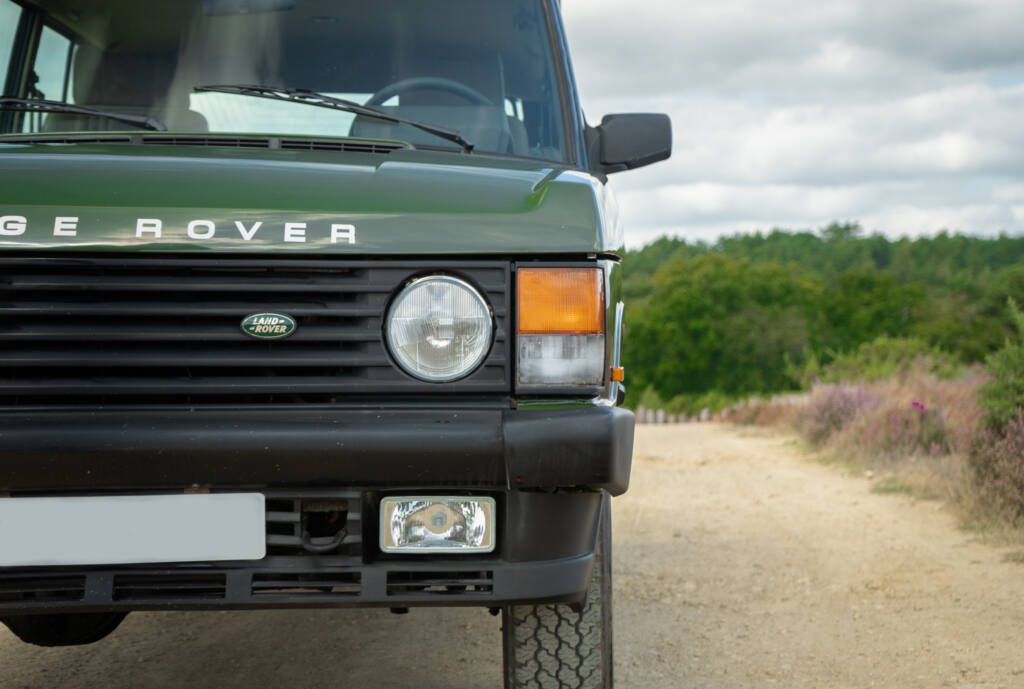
[(904, 115), (894, 208)]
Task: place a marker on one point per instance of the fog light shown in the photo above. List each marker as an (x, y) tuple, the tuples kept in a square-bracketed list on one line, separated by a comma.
[(430, 524)]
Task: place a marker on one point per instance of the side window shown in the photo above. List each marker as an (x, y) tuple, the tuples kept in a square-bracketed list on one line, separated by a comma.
[(50, 75), (51, 65), (9, 16)]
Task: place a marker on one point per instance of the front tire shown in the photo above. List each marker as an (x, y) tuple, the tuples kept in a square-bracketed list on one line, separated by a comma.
[(64, 629), (561, 646)]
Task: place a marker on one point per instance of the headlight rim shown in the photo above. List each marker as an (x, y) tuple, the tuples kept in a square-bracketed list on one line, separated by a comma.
[(476, 292)]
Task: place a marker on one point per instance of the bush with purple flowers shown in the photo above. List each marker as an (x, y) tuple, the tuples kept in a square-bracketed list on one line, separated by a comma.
[(914, 430), (914, 415), (831, 408), (962, 438)]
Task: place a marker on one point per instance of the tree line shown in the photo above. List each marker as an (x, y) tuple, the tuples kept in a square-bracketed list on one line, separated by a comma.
[(749, 314)]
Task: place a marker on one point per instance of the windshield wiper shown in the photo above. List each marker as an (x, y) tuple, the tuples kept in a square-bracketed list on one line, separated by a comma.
[(320, 100), (40, 105)]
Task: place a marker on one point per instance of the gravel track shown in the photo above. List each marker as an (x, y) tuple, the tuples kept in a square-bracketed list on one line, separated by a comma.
[(738, 562)]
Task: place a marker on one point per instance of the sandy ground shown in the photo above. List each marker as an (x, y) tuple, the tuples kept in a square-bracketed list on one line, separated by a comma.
[(739, 563)]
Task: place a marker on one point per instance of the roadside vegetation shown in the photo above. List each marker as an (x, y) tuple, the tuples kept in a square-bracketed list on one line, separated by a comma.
[(710, 324), (917, 425), (903, 360)]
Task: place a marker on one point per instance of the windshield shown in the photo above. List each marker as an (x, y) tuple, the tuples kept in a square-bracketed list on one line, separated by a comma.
[(483, 68)]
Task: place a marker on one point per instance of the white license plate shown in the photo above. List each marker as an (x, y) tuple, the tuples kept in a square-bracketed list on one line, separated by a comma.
[(137, 529)]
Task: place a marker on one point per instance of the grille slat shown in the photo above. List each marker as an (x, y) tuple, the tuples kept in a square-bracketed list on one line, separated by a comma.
[(204, 356), (213, 332), (31, 587), (441, 583), (168, 585), (183, 309), (82, 328), (281, 384), (42, 588), (33, 283), (283, 517), (322, 581), (306, 583)]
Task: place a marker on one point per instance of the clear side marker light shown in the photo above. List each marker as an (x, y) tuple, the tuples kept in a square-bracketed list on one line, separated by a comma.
[(421, 525), (555, 360)]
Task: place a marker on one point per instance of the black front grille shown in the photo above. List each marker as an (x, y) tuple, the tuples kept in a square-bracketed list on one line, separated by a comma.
[(154, 330), (266, 584), (51, 588), (308, 522), (440, 583), (158, 586)]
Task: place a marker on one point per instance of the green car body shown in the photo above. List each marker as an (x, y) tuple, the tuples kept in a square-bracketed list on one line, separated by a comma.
[(187, 312), (405, 203)]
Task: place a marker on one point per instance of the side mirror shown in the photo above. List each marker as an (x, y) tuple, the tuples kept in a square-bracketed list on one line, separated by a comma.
[(626, 142)]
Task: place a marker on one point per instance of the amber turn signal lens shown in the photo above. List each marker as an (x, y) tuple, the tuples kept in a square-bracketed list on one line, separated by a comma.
[(560, 300)]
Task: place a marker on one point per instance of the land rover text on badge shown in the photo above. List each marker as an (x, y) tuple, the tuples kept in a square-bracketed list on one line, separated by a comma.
[(268, 326)]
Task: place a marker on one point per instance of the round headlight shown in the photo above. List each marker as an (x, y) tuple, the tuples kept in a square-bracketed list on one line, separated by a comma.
[(439, 328)]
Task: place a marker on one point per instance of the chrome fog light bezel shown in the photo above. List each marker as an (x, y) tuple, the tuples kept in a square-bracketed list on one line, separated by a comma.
[(387, 544)]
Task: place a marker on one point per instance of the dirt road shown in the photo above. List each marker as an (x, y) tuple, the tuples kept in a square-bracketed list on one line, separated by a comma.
[(739, 563)]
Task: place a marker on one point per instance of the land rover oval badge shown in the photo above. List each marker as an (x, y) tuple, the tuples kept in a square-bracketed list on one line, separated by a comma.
[(268, 326)]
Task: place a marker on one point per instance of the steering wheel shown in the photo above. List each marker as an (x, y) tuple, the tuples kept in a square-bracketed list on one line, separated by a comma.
[(428, 83)]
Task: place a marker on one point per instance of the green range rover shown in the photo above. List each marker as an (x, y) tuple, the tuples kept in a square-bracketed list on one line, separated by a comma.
[(310, 303)]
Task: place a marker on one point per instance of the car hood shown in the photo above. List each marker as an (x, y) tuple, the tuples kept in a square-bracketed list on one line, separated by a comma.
[(167, 197)]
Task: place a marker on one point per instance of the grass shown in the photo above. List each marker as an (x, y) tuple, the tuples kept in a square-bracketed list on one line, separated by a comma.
[(919, 485), (888, 485), (1016, 557), (826, 458)]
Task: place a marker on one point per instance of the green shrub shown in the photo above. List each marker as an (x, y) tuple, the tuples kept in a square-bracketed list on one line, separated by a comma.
[(691, 405), (650, 399), (714, 401), (1002, 397), (998, 469), (882, 358)]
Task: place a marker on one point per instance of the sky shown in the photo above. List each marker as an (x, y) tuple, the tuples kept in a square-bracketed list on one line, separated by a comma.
[(906, 116)]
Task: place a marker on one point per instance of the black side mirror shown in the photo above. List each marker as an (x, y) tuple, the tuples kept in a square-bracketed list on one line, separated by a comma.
[(626, 142)]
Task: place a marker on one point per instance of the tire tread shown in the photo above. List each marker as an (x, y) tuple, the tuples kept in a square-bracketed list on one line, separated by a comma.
[(555, 647)]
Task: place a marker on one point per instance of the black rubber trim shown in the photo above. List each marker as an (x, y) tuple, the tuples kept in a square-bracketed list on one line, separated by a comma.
[(590, 448), (572, 113), (552, 581), (522, 449), (545, 553)]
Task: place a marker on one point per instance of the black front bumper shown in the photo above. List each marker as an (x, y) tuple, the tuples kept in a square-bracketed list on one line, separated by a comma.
[(545, 468), (129, 449), (545, 554)]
